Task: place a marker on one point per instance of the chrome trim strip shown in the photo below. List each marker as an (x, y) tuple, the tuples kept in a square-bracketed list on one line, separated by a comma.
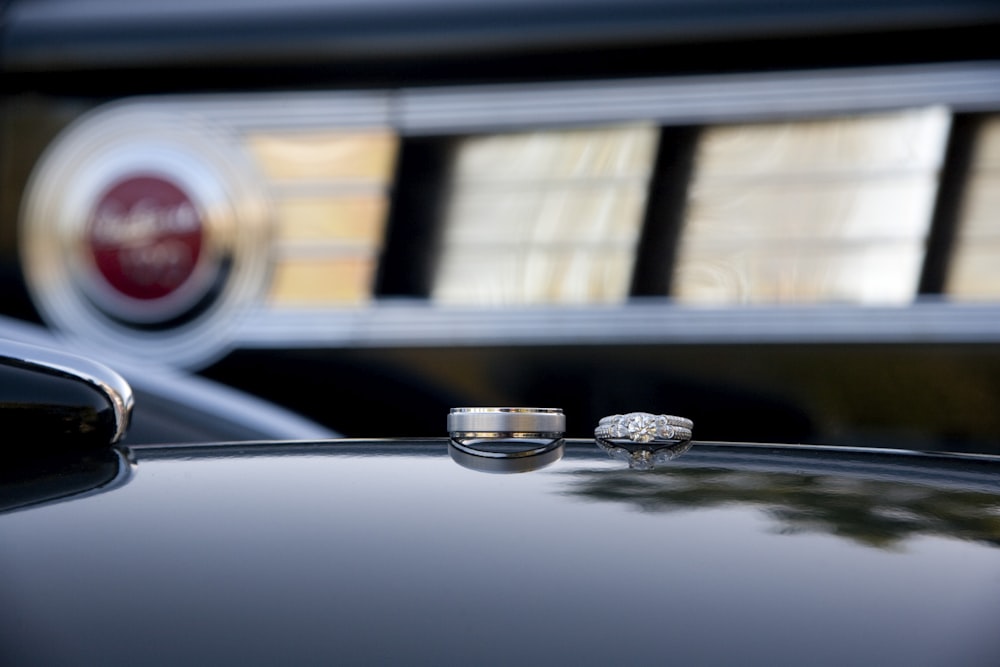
[(651, 321), (700, 99), (263, 112), (706, 99)]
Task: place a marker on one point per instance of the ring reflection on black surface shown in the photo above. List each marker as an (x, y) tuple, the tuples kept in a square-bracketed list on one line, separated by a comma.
[(505, 455), (643, 456)]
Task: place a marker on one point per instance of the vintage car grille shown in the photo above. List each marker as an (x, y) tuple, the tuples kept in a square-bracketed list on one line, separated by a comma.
[(523, 213), (827, 210), (329, 193), (547, 217)]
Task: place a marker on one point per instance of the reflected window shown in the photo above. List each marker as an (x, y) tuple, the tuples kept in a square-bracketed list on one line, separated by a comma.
[(831, 210), (544, 217), (975, 267), (329, 194)]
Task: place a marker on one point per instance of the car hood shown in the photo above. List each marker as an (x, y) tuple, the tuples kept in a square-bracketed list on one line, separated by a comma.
[(395, 552)]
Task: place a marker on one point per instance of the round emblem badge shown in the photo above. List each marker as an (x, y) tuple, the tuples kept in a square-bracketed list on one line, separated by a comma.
[(145, 236)]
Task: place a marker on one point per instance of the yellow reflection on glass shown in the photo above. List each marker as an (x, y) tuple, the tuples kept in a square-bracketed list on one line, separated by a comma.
[(345, 218), (975, 268), (545, 217), (325, 155), (329, 193), (541, 276), (565, 155), (322, 281), (824, 210), (789, 273)]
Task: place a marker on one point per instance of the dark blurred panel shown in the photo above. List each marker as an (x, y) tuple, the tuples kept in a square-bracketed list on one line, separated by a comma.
[(909, 396)]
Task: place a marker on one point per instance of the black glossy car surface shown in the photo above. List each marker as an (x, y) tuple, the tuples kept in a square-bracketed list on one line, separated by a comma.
[(394, 552)]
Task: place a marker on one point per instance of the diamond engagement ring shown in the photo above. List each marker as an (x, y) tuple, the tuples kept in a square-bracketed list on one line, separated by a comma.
[(642, 427), (643, 439), (506, 432)]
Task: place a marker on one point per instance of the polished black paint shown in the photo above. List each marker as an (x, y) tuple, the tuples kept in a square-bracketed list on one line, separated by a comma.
[(41, 405), (376, 552), (29, 477)]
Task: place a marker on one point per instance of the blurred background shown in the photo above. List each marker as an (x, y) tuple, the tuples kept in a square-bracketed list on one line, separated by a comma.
[(777, 219)]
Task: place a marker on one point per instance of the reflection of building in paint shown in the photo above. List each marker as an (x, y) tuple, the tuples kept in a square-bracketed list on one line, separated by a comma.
[(869, 500)]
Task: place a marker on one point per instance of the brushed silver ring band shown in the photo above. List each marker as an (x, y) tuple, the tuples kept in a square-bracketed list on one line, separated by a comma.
[(506, 422)]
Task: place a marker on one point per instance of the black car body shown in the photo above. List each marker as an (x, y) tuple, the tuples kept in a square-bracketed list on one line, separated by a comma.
[(393, 552), (486, 551)]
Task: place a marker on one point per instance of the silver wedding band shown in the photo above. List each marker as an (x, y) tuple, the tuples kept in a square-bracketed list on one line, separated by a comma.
[(506, 433), (506, 423)]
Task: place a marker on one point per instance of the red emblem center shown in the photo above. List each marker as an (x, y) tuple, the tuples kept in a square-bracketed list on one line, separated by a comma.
[(145, 236)]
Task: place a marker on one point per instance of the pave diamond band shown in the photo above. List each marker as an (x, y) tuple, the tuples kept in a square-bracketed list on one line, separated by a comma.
[(643, 427), (643, 439)]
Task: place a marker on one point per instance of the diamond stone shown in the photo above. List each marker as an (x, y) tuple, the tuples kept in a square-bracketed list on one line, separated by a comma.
[(618, 429), (641, 427), (664, 428)]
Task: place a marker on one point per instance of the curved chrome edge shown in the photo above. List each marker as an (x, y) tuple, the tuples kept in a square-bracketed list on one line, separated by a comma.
[(711, 98), (640, 321), (113, 386)]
